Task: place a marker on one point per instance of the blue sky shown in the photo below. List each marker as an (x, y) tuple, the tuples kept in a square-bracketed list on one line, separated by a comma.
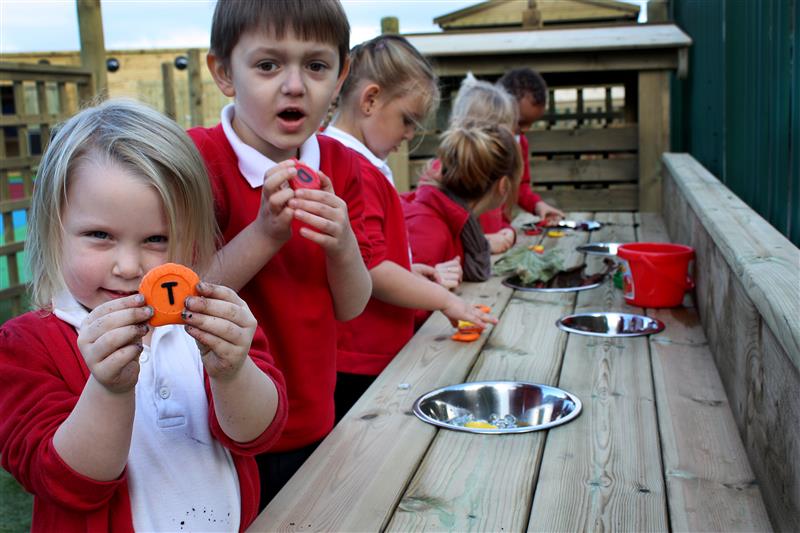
[(52, 25)]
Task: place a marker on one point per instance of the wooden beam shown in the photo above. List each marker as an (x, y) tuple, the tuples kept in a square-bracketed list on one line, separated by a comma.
[(653, 136), (93, 48)]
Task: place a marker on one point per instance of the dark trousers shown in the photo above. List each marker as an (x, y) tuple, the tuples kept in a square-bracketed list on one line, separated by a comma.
[(349, 388), (275, 469)]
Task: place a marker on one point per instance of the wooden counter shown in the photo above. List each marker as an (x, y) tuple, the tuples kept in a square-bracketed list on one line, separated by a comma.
[(655, 448)]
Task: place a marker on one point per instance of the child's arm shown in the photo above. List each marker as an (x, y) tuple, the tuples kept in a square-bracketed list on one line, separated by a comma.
[(245, 398), (95, 438), (394, 284), (236, 263), (348, 278)]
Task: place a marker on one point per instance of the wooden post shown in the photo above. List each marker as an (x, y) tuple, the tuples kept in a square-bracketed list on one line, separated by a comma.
[(93, 48), (168, 80), (657, 11), (390, 25), (653, 136), (532, 17), (195, 88)]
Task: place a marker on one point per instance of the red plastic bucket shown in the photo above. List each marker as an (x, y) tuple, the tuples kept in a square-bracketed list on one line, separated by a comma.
[(655, 274)]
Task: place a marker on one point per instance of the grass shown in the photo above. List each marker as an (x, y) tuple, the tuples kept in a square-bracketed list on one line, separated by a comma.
[(16, 505)]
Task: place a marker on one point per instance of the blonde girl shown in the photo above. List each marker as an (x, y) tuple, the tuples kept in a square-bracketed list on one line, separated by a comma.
[(478, 167), (110, 423), (481, 101), (390, 89)]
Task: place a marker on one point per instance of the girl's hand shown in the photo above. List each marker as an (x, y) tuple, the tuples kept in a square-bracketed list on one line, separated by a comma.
[(275, 215), (459, 309), (325, 214), (545, 211), (501, 241), (427, 272), (111, 341), (223, 327), (450, 272)]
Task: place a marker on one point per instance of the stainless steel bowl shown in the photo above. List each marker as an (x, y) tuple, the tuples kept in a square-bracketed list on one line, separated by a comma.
[(610, 324), (515, 283), (532, 406), (599, 248)]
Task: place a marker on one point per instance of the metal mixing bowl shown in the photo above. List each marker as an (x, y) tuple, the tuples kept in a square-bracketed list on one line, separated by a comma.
[(532, 406)]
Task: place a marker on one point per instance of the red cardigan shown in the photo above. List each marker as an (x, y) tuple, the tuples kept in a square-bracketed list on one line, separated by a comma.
[(495, 220), (290, 297), (369, 342), (434, 224), (42, 375)]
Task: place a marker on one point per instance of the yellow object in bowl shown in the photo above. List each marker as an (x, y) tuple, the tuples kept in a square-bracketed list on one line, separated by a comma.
[(479, 424)]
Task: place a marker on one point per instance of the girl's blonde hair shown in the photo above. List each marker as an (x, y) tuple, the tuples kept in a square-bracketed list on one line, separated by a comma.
[(149, 145), (474, 156), (481, 101), (398, 68)]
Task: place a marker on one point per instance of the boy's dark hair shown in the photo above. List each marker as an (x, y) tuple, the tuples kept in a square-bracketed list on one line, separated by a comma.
[(521, 81), (322, 20)]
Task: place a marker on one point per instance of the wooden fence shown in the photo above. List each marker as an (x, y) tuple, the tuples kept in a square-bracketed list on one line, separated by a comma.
[(34, 98), (583, 151)]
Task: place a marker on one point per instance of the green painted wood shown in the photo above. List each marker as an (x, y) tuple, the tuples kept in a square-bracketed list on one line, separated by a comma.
[(737, 112)]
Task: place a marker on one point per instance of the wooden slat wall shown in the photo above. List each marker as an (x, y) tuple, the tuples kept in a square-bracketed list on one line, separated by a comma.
[(582, 158), (43, 96), (748, 298)]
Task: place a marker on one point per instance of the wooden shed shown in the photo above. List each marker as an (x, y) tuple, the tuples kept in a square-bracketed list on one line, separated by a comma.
[(583, 158), (547, 13)]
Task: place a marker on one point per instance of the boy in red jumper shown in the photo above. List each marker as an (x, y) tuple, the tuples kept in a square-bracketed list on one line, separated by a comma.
[(530, 91), (283, 63)]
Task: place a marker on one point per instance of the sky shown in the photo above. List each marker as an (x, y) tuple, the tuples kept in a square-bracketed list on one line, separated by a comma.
[(52, 25)]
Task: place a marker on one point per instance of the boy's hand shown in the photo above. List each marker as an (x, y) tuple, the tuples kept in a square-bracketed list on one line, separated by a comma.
[(111, 341), (450, 272), (223, 327), (546, 211), (426, 271), (459, 309), (275, 215), (326, 218)]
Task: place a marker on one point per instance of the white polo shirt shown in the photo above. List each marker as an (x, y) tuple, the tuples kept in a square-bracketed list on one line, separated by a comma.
[(179, 477)]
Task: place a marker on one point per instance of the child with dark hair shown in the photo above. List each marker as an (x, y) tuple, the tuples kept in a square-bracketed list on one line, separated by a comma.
[(283, 63), (530, 91)]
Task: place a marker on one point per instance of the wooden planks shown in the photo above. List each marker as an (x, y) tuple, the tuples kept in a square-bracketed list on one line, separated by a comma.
[(747, 297), (710, 484), (653, 136), (485, 482), (345, 485), (603, 471)]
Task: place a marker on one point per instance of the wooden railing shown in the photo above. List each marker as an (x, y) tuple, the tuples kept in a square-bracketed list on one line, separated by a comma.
[(34, 98)]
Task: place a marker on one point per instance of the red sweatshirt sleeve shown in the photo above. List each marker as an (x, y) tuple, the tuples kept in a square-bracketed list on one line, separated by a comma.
[(261, 357), (41, 380), (527, 199)]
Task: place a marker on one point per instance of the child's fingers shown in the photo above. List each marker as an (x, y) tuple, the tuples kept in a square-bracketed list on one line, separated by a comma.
[(114, 314), (205, 312), (306, 198), (219, 292), (120, 368), (277, 176), (325, 182), (113, 340), (324, 226)]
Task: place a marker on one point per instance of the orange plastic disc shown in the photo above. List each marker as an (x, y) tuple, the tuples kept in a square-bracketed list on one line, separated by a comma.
[(165, 289), (466, 337)]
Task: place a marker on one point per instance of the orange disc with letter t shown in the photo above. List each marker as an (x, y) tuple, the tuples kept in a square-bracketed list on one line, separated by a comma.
[(165, 289)]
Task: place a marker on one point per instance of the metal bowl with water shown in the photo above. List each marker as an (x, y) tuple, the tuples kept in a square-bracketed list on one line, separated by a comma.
[(610, 324), (599, 248), (509, 406)]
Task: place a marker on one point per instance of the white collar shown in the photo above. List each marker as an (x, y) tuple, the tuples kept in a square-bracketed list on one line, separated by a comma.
[(252, 163), (354, 144)]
